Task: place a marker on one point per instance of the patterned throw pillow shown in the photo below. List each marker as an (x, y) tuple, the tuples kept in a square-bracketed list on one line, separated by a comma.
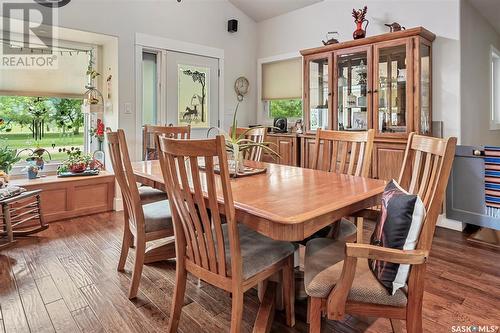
[(399, 225)]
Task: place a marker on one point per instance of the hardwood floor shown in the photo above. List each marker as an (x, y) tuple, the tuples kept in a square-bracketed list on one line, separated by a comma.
[(65, 280)]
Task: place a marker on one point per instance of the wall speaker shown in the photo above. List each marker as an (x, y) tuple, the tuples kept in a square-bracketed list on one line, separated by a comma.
[(232, 25)]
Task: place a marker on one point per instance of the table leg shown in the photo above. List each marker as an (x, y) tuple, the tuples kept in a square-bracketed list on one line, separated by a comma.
[(160, 250), (265, 315)]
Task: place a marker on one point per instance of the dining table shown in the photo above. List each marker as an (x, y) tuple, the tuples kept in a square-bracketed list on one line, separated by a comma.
[(285, 203)]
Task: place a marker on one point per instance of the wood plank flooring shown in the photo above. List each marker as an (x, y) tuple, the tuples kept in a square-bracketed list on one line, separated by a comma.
[(65, 280)]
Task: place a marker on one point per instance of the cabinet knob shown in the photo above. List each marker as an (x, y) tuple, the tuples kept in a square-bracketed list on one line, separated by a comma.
[(329, 94), (368, 91), (375, 91)]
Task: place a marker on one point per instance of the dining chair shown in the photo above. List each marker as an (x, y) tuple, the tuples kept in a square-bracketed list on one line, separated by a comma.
[(254, 134), (143, 222), (227, 255), (149, 194), (337, 277), (347, 153), (149, 132)]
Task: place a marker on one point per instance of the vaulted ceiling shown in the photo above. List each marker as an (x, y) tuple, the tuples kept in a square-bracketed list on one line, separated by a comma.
[(490, 9), (260, 10)]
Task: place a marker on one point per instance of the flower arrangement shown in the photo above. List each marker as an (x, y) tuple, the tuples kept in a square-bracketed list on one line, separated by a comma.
[(98, 132)]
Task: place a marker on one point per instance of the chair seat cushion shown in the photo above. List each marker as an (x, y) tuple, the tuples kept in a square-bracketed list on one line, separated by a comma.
[(347, 229), (157, 216), (324, 260), (149, 194), (257, 251)]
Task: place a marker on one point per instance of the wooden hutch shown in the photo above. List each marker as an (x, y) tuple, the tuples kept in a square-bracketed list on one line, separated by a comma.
[(381, 82)]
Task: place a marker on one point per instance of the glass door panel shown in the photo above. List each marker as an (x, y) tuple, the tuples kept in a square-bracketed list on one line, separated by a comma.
[(425, 88), (392, 89), (318, 94), (352, 88)]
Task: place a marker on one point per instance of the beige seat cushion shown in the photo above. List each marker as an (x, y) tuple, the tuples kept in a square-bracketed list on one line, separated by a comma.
[(258, 251), (149, 194), (323, 267), (157, 216)]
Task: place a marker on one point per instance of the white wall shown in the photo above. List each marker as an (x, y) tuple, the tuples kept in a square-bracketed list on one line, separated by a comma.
[(476, 37), (306, 28), (195, 21)]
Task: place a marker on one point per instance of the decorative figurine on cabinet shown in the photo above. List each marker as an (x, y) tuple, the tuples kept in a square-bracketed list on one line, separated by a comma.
[(331, 38), (359, 18), (395, 26)]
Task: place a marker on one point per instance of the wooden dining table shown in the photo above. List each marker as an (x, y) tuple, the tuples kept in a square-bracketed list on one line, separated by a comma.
[(283, 203)]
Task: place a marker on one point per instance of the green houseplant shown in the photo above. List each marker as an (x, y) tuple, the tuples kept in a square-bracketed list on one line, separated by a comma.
[(76, 162), (236, 144), (8, 157)]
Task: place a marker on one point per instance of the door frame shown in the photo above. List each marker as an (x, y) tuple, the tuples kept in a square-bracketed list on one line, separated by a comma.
[(162, 45)]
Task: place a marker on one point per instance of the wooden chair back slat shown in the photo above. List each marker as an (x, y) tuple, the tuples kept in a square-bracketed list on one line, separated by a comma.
[(122, 167), (352, 158), (254, 134), (343, 152), (416, 171), (214, 209), (425, 175), (149, 132), (194, 193), (361, 153)]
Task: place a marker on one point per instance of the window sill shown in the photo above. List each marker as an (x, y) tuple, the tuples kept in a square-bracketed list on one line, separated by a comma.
[(18, 171)]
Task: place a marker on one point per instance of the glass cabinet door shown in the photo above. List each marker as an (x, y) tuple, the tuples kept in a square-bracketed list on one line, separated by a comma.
[(319, 94), (392, 88), (353, 95), (425, 89)]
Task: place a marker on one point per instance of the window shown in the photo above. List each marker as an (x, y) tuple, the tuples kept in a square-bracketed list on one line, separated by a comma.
[(149, 88), (282, 88), (42, 109), (287, 108), (51, 123), (495, 89)]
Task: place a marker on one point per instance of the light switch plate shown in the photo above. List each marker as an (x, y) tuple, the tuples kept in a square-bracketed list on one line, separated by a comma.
[(127, 108)]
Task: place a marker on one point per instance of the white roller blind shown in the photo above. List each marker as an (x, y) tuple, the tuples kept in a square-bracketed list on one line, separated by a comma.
[(68, 79), (282, 79)]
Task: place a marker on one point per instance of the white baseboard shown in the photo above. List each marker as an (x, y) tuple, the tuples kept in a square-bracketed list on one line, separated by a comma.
[(118, 204), (444, 222)]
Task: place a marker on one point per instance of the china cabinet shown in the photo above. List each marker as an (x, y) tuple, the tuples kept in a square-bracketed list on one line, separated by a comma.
[(381, 82)]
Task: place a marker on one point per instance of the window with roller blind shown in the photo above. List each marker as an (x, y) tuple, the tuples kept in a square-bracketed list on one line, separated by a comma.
[(41, 108), (282, 88)]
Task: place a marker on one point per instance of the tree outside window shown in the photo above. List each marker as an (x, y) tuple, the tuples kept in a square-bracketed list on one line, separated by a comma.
[(287, 108), (41, 122)]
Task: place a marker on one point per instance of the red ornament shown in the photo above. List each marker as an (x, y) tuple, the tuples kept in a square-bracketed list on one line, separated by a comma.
[(359, 18)]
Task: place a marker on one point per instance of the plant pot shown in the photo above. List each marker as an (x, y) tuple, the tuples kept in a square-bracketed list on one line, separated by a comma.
[(32, 173), (78, 167), (235, 162)]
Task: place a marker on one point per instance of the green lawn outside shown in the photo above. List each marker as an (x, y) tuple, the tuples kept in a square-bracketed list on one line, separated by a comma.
[(59, 140)]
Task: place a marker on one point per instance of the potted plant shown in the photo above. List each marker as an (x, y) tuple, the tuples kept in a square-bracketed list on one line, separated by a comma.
[(8, 157), (77, 162), (236, 144)]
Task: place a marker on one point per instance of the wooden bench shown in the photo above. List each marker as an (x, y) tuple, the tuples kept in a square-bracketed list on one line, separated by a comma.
[(64, 198)]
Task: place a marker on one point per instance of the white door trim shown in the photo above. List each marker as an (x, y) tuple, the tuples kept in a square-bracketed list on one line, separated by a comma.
[(144, 42)]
